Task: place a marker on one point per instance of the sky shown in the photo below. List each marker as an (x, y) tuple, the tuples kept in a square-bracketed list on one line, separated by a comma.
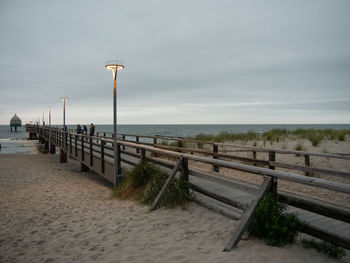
[(186, 62)]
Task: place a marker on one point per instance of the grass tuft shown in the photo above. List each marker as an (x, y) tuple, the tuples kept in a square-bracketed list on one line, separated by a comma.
[(144, 183), (272, 224), (329, 249)]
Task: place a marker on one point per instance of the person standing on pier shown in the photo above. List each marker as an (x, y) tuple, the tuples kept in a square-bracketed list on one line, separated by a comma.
[(79, 130), (84, 129), (92, 129)]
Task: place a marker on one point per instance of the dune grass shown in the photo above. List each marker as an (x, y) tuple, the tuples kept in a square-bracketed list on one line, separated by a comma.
[(329, 249), (144, 182), (315, 136)]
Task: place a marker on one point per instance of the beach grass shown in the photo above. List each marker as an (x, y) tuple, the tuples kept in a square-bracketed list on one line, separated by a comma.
[(315, 136), (329, 249), (145, 181)]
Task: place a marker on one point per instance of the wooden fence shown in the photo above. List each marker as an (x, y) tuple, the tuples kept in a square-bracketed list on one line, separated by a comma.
[(96, 153)]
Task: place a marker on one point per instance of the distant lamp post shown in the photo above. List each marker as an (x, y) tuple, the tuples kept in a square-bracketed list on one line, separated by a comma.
[(43, 119), (63, 154), (49, 129), (114, 66)]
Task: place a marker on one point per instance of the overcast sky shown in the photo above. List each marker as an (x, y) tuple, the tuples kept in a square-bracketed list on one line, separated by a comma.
[(186, 61)]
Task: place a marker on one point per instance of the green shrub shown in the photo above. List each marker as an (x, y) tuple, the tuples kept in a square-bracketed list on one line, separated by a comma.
[(145, 181), (315, 139), (329, 249), (299, 146), (341, 137), (272, 224)]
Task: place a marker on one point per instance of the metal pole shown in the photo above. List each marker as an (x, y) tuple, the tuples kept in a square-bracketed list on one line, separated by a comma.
[(49, 130), (64, 125), (115, 127)]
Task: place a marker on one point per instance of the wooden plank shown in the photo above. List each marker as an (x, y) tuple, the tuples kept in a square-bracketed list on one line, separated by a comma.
[(315, 206), (312, 169), (166, 184), (333, 238), (218, 197), (224, 180), (248, 215)]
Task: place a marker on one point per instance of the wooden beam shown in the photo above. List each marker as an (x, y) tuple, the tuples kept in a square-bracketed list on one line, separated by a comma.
[(339, 187), (166, 184), (315, 206), (333, 238), (248, 215), (218, 197), (312, 169)]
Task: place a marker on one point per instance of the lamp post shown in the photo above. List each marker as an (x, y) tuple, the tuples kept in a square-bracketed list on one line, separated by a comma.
[(49, 129), (63, 154), (114, 66)]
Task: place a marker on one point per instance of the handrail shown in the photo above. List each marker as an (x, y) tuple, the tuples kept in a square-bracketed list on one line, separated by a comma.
[(252, 148)]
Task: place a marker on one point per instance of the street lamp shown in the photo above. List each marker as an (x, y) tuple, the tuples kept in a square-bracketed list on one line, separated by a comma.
[(64, 154), (114, 66)]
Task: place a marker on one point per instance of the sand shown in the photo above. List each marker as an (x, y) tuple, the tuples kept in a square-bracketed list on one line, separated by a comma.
[(52, 212)]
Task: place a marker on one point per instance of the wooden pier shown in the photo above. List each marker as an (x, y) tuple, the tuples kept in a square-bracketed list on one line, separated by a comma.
[(324, 220)]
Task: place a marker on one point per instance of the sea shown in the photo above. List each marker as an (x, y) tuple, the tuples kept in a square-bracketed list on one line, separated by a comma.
[(17, 142)]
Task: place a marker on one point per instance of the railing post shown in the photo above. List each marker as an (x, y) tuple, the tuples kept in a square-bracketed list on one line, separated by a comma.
[(215, 151), (137, 141), (307, 163), (91, 153), (102, 156), (272, 158), (119, 159), (273, 187), (154, 143), (76, 145), (82, 148), (179, 144), (254, 157), (70, 144), (185, 172), (143, 155), (123, 140)]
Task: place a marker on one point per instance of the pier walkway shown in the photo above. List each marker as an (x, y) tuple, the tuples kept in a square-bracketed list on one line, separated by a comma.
[(215, 190)]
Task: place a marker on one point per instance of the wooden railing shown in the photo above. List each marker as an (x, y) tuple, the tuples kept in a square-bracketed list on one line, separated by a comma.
[(218, 152), (96, 153)]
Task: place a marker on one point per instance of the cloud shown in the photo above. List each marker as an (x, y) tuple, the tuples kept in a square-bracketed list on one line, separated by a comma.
[(183, 59)]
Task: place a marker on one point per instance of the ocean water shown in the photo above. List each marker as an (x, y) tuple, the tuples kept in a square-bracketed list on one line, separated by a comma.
[(17, 143)]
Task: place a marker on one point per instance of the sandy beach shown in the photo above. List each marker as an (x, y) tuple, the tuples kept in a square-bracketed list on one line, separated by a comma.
[(52, 212)]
